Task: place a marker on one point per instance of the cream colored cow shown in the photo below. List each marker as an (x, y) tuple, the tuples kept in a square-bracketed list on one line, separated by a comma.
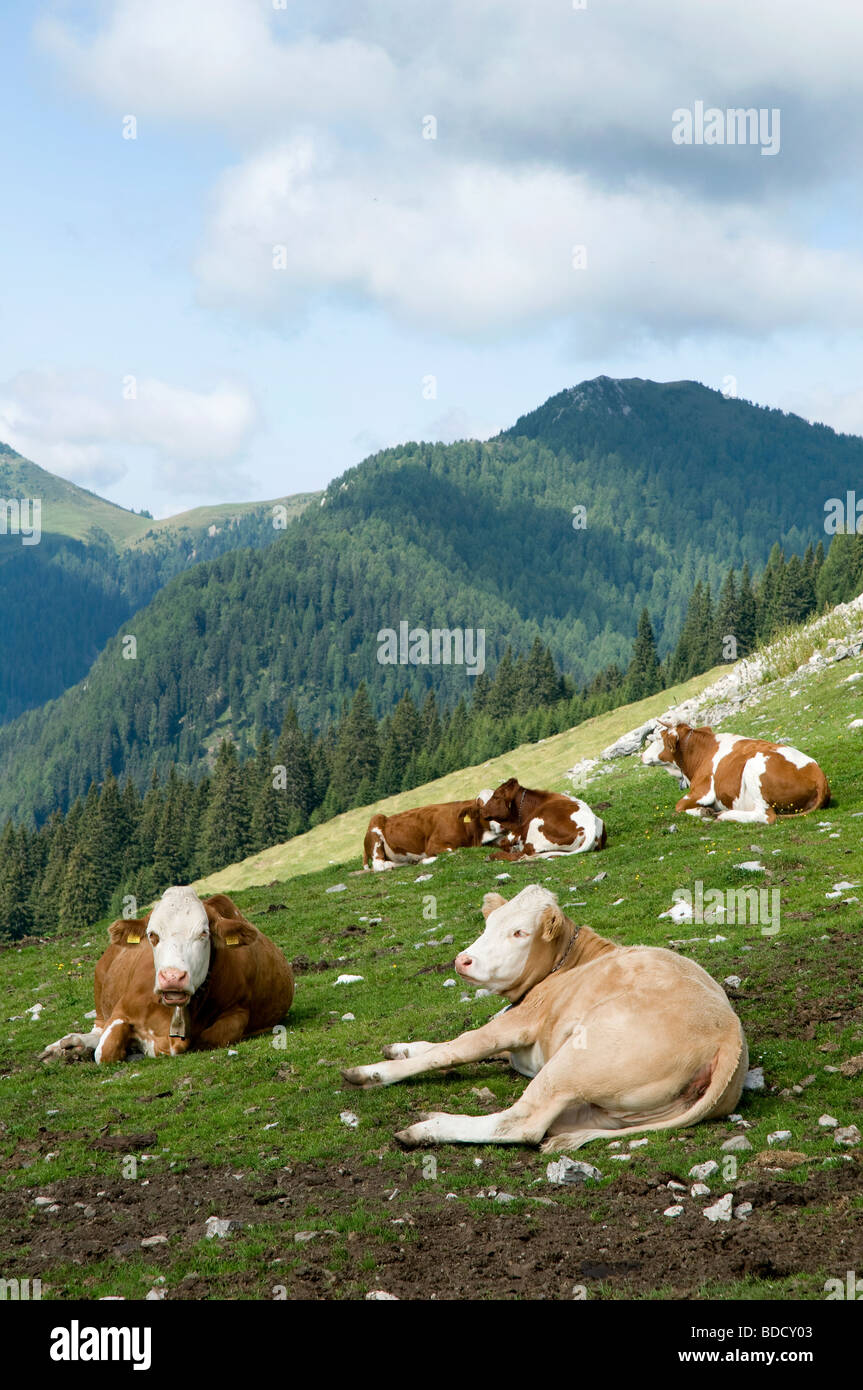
[(617, 1039)]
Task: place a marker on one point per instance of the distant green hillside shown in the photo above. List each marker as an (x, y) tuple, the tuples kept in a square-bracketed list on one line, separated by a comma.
[(95, 565), (672, 483)]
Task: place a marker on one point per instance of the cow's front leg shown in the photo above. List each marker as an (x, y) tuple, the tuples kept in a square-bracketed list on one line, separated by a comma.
[(114, 1041), (230, 1028), (72, 1047), (526, 1122), (498, 1035), (398, 1051), (699, 800)]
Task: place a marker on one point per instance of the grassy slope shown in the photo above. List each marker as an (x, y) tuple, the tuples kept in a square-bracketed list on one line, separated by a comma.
[(544, 764), (799, 993), (69, 510)]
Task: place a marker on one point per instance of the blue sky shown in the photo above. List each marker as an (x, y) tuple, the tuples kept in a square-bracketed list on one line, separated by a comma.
[(151, 351)]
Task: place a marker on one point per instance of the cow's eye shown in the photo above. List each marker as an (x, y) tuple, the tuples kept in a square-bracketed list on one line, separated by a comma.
[(519, 933)]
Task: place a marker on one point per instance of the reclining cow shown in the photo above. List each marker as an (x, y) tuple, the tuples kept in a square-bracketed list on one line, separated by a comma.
[(542, 823), (191, 974), (617, 1040), (733, 778), (420, 835)]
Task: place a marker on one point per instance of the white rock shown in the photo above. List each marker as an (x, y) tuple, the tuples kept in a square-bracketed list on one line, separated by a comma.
[(348, 980), (381, 1296), (638, 1143), (219, 1227), (621, 1158), (570, 1170), (348, 1018), (348, 1118), (503, 878), (423, 878), (779, 1136), (849, 1137), (751, 866), (743, 1210), (704, 1170), (699, 1189), (43, 1201), (673, 1211), (827, 1122), (337, 888), (154, 1294), (739, 1144), (754, 1079), (721, 1210), (841, 887), (676, 1186), (447, 984), (153, 1240), (733, 981), (680, 912)]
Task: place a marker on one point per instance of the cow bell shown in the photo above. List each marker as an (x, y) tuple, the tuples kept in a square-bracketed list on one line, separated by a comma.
[(179, 1022)]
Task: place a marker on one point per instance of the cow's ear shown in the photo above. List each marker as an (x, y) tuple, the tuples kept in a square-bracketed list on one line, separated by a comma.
[(232, 931), (220, 906), (490, 902), (551, 922), (128, 931)]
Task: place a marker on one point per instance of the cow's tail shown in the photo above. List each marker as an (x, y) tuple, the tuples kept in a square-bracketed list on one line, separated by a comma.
[(699, 1101), (377, 823)]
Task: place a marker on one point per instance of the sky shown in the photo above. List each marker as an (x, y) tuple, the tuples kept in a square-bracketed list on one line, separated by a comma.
[(246, 243)]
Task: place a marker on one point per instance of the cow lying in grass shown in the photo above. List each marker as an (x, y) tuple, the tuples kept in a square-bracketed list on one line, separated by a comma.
[(541, 823), (732, 778), (420, 835), (617, 1039), (190, 974)]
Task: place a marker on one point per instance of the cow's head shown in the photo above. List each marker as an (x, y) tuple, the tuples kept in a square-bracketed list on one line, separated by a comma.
[(490, 828), (183, 931), (523, 941), (664, 747), (501, 804)]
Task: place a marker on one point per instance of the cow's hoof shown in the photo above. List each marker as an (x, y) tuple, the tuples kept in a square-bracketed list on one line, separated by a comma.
[(409, 1138), (72, 1048), (361, 1077)]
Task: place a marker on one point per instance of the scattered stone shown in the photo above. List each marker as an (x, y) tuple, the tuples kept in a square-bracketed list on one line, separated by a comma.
[(43, 1201), (751, 866), (673, 1211), (219, 1227), (754, 1079), (504, 1197), (743, 1210), (827, 1121), (348, 980), (704, 1170), (699, 1189), (484, 1095), (676, 1186), (348, 1118), (569, 1170), (733, 981), (154, 1294), (349, 1018), (853, 1066), (503, 878), (422, 878), (301, 1237), (153, 1240), (447, 984), (849, 1136), (638, 1143), (381, 1296), (721, 1210), (779, 1136), (738, 1144)]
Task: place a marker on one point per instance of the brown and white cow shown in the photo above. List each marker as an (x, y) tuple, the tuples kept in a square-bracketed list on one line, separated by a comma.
[(542, 823), (734, 778), (418, 836), (616, 1039), (191, 974)]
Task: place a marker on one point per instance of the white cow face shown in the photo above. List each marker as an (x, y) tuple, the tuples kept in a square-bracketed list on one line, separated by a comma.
[(179, 933), (662, 750), (514, 931)]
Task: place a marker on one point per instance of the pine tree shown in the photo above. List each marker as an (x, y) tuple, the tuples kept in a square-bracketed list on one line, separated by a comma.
[(643, 676), (225, 833)]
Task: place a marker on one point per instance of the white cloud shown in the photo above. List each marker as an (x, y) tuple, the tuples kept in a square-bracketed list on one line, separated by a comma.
[(474, 249), (89, 426), (554, 128)]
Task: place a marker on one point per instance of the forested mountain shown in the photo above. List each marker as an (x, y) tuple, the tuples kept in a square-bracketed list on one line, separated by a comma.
[(677, 484), (92, 566)]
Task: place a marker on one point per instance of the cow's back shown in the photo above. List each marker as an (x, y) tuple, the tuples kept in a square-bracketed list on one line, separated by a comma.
[(256, 976)]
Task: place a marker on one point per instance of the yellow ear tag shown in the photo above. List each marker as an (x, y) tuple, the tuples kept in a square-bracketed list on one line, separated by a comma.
[(466, 820), (132, 940), (232, 941)]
